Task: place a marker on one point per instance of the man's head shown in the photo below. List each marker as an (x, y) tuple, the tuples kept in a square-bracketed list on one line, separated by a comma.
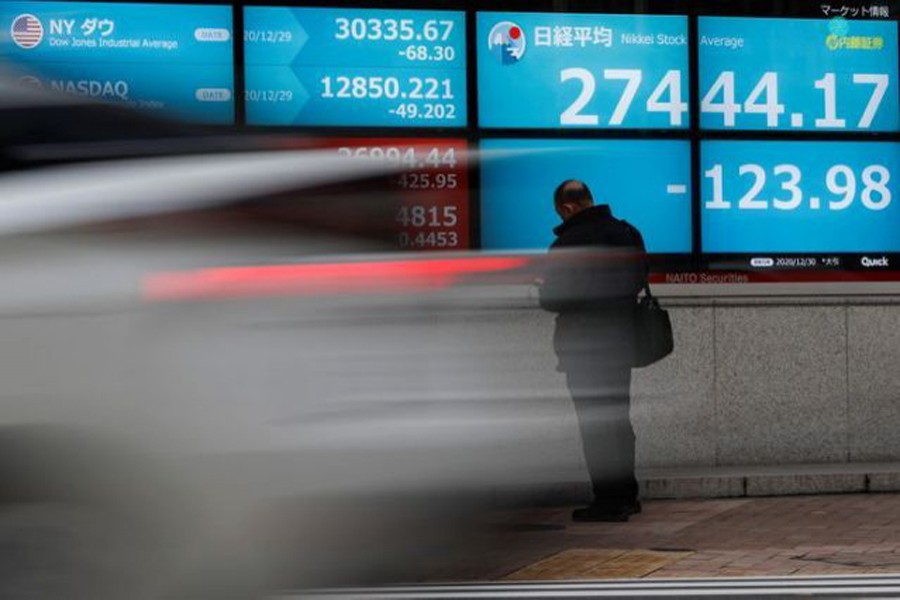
[(572, 197)]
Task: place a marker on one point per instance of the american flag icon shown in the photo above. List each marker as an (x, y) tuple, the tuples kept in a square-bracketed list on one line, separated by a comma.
[(27, 31)]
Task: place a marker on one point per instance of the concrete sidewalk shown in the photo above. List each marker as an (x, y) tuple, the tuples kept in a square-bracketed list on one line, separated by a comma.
[(799, 535)]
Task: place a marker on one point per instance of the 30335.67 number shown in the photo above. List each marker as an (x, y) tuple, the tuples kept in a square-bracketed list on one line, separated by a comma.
[(389, 30)]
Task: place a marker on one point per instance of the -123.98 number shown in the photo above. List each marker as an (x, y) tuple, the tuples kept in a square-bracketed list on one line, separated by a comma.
[(870, 186)]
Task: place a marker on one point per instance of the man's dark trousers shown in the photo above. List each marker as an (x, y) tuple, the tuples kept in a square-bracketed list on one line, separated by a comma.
[(601, 398)]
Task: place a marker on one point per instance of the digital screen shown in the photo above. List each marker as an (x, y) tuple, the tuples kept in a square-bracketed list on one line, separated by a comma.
[(552, 70), (798, 74), (520, 176), (355, 67), (800, 197), (175, 59), (434, 211)]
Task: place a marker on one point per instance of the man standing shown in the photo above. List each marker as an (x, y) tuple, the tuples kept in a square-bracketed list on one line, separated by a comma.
[(597, 267)]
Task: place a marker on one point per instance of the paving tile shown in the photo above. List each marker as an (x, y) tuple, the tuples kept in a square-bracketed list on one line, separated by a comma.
[(825, 534), (581, 563)]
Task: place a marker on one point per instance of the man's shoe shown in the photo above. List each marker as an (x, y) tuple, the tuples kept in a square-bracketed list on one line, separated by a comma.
[(596, 513), (607, 513), (635, 507)]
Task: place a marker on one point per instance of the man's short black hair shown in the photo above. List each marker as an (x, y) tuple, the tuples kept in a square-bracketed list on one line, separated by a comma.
[(573, 191)]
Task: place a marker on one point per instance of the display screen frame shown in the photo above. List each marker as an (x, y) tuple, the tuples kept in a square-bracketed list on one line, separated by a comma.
[(696, 260)]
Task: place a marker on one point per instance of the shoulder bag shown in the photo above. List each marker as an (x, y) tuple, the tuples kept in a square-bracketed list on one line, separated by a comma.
[(653, 331)]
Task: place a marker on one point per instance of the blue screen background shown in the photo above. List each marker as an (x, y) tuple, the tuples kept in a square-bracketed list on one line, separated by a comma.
[(529, 93), (160, 60), (298, 64), (797, 49), (853, 230), (520, 176)]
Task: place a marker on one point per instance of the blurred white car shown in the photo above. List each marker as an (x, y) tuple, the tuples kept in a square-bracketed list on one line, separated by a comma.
[(218, 379)]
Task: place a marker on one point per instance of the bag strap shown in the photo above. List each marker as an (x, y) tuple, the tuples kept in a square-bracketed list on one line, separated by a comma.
[(646, 286)]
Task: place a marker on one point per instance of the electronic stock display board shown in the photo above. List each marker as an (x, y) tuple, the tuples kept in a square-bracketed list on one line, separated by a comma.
[(790, 149), (825, 199), (433, 186), (549, 70), (798, 74), (734, 134), (798, 197), (355, 67), (163, 58), (373, 67), (558, 72)]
